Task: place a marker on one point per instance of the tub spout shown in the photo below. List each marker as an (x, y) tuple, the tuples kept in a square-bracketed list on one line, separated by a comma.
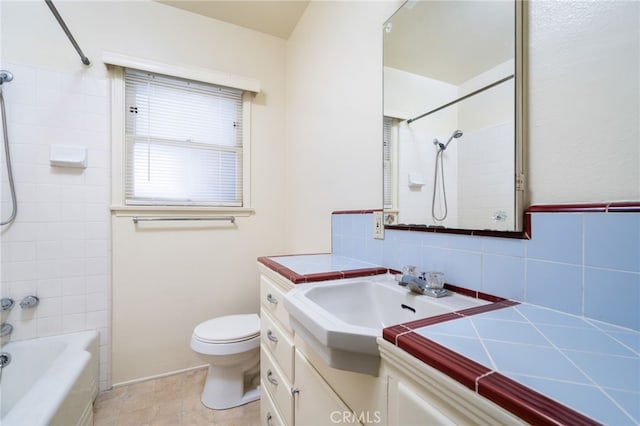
[(5, 359)]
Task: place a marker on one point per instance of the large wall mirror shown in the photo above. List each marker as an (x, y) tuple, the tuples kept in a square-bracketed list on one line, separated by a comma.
[(453, 107)]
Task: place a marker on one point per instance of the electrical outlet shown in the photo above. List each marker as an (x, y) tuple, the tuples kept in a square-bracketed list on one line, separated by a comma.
[(378, 226)]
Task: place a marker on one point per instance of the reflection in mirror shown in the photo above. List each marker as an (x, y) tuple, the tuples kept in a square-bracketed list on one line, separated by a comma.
[(451, 103)]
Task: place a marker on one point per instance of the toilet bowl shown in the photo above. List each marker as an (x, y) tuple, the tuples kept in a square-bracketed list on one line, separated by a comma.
[(230, 345)]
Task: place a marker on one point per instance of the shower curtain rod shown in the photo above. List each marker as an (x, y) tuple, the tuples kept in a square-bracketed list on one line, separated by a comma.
[(83, 58), (468, 95)]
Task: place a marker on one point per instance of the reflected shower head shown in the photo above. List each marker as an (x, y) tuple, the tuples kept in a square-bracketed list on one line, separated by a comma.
[(442, 146), (456, 134)]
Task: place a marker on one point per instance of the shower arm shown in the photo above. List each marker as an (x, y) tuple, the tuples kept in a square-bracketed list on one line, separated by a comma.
[(468, 95), (53, 9)]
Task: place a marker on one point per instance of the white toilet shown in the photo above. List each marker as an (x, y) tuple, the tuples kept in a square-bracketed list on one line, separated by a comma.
[(231, 347)]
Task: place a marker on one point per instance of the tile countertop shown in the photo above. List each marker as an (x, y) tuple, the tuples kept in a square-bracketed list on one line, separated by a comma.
[(531, 360)]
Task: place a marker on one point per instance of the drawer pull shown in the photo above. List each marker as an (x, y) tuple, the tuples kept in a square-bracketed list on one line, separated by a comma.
[(269, 418), (272, 336), (271, 379), (272, 299)]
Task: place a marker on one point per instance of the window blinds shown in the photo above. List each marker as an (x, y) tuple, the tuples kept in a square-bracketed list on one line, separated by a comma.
[(183, 142), (388, 162)]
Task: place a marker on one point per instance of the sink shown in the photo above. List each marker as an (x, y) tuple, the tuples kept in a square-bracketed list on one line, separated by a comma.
[(341, 319)]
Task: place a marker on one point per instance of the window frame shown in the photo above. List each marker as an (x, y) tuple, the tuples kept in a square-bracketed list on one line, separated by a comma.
[(116, 68)]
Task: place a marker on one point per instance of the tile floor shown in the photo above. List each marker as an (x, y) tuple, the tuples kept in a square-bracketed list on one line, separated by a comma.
[(172, 400)]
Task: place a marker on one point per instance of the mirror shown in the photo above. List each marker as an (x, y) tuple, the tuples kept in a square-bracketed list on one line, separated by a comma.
[(453, 98)]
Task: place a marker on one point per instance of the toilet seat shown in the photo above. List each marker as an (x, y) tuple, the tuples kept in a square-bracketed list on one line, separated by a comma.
[(228, 329)]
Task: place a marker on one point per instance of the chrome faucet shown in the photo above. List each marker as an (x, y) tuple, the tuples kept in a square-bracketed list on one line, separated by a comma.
[(415, 283), (420, 284)]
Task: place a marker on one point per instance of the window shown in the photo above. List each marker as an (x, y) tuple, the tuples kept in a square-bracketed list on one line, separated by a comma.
[(389, 149), (183, 143)]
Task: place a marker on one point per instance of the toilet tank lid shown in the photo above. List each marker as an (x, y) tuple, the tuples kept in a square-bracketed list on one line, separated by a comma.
[(230, 328)]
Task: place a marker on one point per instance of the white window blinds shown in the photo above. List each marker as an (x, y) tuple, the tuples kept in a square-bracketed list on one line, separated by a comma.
[(388, 162), (183, 142)]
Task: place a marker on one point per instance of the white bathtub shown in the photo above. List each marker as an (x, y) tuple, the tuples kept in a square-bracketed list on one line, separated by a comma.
[(50, 380)]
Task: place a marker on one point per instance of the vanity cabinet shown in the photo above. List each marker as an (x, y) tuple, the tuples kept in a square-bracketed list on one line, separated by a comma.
[(276, 351), (315, 402), (419, 394), (293, 392)]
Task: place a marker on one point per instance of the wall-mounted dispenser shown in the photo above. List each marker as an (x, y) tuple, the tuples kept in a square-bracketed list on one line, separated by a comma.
[(68, 156)]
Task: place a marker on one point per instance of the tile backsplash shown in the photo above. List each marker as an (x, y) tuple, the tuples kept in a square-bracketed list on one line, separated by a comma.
[(586, 264), (58, 248)]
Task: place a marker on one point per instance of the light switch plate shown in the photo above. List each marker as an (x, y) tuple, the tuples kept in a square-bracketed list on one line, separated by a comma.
[(378, 226)]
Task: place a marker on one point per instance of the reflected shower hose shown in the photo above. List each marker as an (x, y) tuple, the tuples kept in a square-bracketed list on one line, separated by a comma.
[(435, 185), (12, 187), (439, 156)]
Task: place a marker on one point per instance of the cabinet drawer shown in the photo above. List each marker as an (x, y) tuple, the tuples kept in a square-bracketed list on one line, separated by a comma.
[(272, 299), (277, 385), (279, 344), (269, 414)]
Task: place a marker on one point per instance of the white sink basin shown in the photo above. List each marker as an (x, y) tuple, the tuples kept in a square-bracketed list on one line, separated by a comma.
[(342, 319)]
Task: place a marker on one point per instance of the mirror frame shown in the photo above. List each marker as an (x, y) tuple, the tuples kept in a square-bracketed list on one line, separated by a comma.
[(522, 223)]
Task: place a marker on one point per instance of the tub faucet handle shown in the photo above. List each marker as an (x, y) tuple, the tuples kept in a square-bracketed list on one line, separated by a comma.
[(29, 302), (5, 329), (6, 303)]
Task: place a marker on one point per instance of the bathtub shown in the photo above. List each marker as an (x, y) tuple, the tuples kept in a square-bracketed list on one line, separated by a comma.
[(50, 380)]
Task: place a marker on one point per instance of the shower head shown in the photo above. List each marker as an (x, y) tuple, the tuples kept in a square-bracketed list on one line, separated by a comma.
[(5, 76), (456, 134)]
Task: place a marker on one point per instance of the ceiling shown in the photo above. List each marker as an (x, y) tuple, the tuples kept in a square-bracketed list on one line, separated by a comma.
[(275, 17), (450, 41)]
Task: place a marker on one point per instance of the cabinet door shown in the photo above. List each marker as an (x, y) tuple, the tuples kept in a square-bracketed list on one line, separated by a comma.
[(315, 402), (407, 406)]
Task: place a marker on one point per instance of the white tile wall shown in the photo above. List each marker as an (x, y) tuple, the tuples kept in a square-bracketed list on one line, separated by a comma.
[(59, 246)]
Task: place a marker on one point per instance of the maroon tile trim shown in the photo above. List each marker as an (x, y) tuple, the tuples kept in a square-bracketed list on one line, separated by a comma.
[(443, 359), (367, 272), (322, 276), (475, 232), (356, 211), (624, 207), (390, 334), (473, 293), (487, 308), (528, 404), (609, 207), (569, 208), (272, 263), (419, 323)]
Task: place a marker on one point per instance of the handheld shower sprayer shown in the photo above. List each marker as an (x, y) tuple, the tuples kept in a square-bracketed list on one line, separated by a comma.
[(439, 164), (442, 146)]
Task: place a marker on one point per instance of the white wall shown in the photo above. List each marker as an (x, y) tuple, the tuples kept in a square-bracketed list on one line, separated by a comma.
[(164, 280), (584, 101), (334, 117)]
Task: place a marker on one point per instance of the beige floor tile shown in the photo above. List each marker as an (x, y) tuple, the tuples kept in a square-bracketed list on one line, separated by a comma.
[(140, 417), (172, 400)]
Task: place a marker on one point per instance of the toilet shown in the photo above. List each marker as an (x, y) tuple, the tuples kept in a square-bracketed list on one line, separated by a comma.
[(230, 345)]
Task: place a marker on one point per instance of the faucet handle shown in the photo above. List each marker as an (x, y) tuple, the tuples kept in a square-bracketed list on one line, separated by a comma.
[(409, 270)]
